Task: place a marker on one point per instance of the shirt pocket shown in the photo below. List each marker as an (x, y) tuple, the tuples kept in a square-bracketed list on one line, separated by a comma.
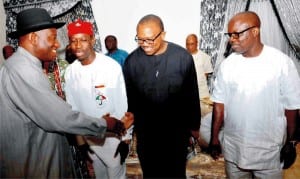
[(100, 94)]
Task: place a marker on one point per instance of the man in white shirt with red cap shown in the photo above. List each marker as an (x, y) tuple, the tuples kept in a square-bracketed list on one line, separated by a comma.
[(95, 85)]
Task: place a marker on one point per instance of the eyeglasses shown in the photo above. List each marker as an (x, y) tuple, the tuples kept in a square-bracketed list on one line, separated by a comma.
[(148, 41), (236, 35)]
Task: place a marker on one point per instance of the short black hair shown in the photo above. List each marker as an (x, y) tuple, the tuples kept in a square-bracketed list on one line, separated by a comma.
[(152, 18)]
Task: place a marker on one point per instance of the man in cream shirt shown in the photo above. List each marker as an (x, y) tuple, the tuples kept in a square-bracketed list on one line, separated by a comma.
[(203, 69)]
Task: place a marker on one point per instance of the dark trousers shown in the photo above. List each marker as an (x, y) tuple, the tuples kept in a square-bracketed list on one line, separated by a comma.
[(162, 157)]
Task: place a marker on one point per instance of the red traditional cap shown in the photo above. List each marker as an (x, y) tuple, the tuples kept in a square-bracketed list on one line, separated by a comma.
[(79, 27)]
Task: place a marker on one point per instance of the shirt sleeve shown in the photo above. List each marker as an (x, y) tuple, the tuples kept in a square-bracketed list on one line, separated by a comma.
[(31, 93), (290, 87), (207, 65), (218, 94)]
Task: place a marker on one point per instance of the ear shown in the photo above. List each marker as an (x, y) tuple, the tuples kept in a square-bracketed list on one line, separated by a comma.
[(33, 38), (93, 40), (255, 31), (163, 34)]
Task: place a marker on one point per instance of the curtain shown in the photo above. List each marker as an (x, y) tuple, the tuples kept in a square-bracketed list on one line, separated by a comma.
[(212, 17), (2, 31), (232, 8), (289, 14), (271, 31)]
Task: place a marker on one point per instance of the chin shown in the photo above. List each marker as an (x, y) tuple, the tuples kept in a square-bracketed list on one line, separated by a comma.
[(149, 53)]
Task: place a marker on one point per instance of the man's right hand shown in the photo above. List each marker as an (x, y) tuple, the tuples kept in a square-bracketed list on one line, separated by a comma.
[(114, 125)]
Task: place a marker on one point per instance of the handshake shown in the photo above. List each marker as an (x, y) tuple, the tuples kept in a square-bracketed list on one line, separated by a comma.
[(115, 126), (119, 127)]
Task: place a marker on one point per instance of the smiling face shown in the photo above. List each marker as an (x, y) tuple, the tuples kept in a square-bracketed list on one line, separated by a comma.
[(81, 46), (45, 44), (150, 38)]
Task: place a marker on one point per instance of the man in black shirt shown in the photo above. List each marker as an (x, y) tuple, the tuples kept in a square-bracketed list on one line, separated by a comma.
[(163, 95)]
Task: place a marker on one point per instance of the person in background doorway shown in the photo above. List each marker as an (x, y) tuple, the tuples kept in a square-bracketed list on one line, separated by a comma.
[(111, 44), (160, 79), (7, 51), (256, 99), (34, 120), (203, 68), (94, 84)]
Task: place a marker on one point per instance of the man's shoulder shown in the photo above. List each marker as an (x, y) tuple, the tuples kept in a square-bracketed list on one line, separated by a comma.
[(102, 56), (272, 51), (177, 50), (122, 51), (136, 52), (106, 61), (72, 67), (203, 55), (22, 61), (274, 55), (176, 46)]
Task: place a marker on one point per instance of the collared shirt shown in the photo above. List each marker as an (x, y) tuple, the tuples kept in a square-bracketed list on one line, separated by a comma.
[(255, 92)]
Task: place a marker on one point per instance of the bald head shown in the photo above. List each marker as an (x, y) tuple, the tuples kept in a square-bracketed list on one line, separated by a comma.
[(244, 32), (191, 43), (248, 17)]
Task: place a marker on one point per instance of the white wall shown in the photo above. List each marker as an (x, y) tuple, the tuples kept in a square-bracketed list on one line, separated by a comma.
[(120, 17)]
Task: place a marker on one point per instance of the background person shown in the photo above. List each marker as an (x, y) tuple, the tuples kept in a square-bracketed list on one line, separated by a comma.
[(7, 51), (111, 44), (160, 79), (256, 97), (203, 69), (33, 118)]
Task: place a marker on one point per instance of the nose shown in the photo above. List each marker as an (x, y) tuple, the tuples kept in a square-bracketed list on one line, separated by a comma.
[(57, 44), (233, 39)]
